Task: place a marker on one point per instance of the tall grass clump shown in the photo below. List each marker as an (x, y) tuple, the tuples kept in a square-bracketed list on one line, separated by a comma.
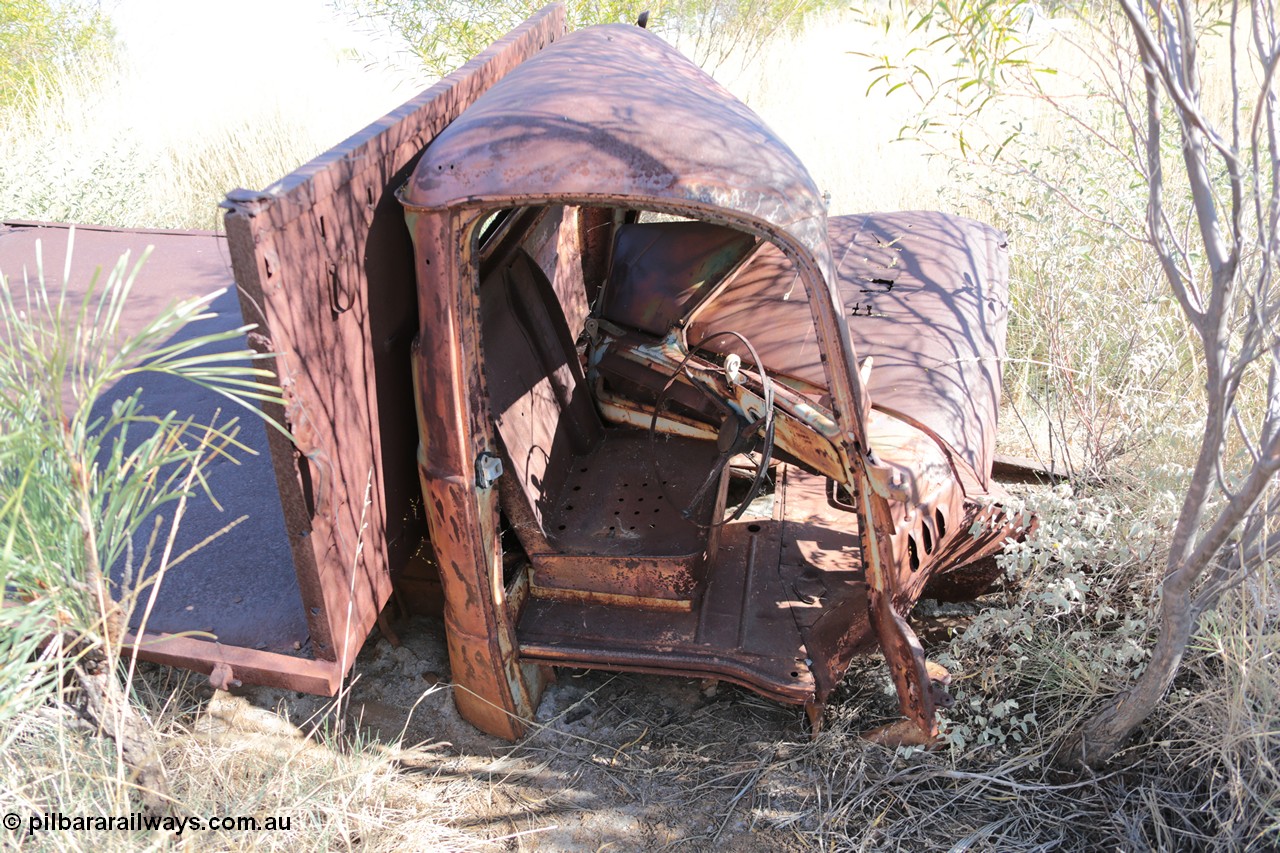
[(79, 480), (39, 39), (323, 788), (87, 147)]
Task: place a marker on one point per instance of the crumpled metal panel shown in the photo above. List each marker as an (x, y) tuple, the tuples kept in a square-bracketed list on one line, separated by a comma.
[(925, 295)]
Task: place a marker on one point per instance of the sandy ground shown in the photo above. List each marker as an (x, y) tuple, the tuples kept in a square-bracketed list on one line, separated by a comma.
[(618, 761)]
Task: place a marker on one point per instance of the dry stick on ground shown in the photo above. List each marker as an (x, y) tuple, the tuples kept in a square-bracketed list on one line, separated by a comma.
[(1221, 530)]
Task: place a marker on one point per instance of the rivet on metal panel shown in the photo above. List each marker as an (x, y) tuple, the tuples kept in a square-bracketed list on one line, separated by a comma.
[(488, 469)]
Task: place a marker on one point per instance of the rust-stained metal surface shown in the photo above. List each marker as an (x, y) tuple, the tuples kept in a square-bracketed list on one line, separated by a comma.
[(925, 296), (615, 112), (325, 266), (510, 369)]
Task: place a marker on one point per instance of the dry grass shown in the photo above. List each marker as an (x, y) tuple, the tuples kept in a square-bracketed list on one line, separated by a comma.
[(98, 148), (1099, 377), (227, 758)]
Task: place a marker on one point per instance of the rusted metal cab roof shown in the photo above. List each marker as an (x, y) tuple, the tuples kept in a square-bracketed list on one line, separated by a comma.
[(615, 114)]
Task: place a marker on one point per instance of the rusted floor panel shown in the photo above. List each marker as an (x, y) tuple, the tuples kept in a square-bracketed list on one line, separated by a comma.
[(617, 526), (241, 587), (761, 620), (612, 502)]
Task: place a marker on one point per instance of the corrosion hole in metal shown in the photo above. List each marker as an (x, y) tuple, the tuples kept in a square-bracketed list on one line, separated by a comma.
[(577, 488), (568, 507), (912, 554), (941, 522), (754, 528), (795, 673), (561, 527), (927, 537)]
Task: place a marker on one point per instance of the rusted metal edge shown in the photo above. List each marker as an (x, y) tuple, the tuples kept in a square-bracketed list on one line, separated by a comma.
[(682, 665), (1022, 467), (36, 223), (251, 666)]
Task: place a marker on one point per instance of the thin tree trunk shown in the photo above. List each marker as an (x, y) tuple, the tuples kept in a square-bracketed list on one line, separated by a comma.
[(1105, 734)]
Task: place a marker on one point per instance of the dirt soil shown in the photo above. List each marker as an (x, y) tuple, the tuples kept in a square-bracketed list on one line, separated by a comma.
[(617, 761)]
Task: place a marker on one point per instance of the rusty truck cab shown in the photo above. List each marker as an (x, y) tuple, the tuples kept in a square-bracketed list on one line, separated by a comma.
[(647, 440), (621, 395)]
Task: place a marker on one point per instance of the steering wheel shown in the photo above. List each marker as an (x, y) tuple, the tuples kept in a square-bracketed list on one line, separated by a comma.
[(739, 433)]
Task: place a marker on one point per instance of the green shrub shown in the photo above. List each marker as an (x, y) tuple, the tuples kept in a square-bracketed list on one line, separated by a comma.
[(38, 38)]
